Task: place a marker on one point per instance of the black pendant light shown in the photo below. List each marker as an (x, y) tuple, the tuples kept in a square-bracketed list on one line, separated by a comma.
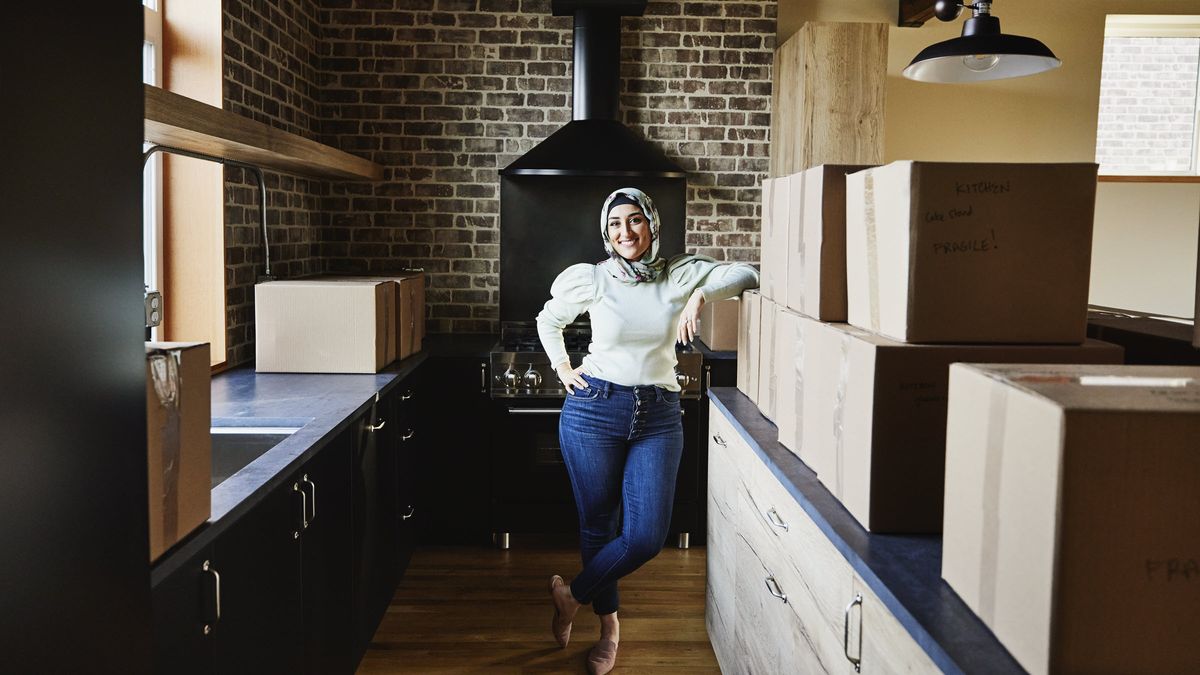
[(981, 53)]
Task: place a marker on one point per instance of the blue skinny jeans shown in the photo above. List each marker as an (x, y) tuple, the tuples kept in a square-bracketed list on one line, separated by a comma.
[(621, 446)]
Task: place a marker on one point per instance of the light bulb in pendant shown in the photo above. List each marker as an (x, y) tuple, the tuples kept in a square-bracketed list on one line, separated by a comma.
[(980, 63)]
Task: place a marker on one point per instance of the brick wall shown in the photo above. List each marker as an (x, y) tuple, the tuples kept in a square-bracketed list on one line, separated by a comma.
[(270, 75), (443, 93), (1147, 104)]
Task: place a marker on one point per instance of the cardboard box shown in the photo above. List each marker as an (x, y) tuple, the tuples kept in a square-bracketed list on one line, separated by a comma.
[(1073, 513), (789, 374), (178, 445), (874, 417), (719, 324), (409, 309), (767, 377), (984, 253), (816, 247), (323, 326), (747, 359), (773, 240)]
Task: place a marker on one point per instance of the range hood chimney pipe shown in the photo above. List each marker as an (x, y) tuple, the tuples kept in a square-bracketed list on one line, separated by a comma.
[(597, 64)]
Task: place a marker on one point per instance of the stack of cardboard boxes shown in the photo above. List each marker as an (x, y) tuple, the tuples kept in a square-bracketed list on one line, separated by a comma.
[(874, 281), (338, 324)]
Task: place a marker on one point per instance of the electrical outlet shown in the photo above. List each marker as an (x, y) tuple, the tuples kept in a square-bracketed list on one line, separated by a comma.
[(153, 309)]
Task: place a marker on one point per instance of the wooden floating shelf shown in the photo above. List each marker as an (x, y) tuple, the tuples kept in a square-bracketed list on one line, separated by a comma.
[(185, 123)]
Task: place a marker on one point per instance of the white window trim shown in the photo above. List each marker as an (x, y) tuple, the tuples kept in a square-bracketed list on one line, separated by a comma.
[(152, 192)]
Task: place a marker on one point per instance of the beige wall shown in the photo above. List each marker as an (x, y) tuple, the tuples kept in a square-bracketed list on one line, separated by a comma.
[(1046, 118)]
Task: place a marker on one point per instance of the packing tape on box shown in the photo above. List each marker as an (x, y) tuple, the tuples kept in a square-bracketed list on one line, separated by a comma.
[(989, 528), (839, 413), (798, 365), (872, 248), (166, 377)]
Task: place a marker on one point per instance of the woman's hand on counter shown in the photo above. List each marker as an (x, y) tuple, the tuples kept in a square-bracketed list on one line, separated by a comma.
[(689, 320)]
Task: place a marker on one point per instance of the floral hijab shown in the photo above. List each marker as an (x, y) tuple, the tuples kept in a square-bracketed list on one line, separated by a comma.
[(649, 266)]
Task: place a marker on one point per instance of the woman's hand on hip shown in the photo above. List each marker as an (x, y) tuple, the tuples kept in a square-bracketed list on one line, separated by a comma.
[(570, 377), (689, 321)]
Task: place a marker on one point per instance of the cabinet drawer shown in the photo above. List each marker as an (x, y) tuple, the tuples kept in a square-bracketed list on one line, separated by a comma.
[(721, 557)]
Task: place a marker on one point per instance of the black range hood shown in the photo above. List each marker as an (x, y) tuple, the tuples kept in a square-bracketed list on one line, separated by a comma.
[(595, 143)]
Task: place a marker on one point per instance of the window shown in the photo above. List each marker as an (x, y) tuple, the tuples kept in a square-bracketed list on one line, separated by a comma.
[(1149, 117)]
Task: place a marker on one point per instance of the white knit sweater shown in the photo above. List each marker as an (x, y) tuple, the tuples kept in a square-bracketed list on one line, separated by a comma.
[(633, 325)]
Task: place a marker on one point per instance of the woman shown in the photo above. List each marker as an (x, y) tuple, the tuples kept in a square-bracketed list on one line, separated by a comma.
[(620, 429)]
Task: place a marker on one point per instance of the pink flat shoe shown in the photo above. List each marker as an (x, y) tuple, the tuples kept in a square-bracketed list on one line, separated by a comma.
[(560, 630), (602, 658)]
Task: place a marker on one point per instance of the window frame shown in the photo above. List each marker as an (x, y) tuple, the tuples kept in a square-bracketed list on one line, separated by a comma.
[(1157, 26), (152, 173)]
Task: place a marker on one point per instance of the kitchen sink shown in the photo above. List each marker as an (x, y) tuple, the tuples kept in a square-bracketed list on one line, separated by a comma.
[(233, 447)]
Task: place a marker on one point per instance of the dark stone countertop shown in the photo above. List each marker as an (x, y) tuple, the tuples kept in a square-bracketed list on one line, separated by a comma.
[(322, 405), (904, 571)]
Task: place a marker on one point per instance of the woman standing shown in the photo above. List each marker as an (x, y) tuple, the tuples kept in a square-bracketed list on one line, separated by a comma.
[(620, 430)]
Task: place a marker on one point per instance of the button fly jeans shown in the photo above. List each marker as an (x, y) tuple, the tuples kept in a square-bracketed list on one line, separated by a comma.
[(621, 446)]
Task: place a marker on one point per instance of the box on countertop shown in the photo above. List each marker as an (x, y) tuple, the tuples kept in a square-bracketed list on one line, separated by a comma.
[(816, 246), (873, 422), (980, 253), (747, 348), (719, 324), (767, 377), (409, 311), (324, 326), (179, 447), (1073, 513), (787, 366)]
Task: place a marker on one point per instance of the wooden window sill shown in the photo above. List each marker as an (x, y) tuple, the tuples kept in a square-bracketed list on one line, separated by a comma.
[(181, 122)]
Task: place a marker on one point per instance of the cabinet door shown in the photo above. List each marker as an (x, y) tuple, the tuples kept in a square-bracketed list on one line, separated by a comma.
[(261, 613), (327, 560), (886, 646), (721, 559), (374, 497), (184, 609)]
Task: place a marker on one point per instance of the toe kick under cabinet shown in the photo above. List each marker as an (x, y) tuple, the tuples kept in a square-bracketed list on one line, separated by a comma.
[(787, 589)]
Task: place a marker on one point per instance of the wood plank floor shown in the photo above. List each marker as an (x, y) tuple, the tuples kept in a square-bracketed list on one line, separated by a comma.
[(483, 610)]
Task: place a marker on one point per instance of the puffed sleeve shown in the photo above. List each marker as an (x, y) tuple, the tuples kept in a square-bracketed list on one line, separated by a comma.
[(717, 281), (572, 293)]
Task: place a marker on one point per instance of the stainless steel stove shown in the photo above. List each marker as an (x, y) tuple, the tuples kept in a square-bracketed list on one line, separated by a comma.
[(521, 369)]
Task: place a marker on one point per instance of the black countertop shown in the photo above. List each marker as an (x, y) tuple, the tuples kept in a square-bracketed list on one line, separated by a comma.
[(904, 571)]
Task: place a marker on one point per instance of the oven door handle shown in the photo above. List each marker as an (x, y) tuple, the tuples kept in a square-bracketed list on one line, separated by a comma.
[(534, 411)]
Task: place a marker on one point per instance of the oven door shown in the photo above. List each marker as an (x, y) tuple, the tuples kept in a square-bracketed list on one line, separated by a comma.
[(531, 492)]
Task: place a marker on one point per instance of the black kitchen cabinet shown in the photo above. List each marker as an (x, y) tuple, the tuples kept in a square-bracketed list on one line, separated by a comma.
[(327, 560), (185, 612), (375, 535), (454, 492), (405, 403), (259, 562)]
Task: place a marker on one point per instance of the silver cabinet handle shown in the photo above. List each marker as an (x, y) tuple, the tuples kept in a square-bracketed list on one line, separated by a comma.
[(408, 515), (408, 435), (312, 499), (209, 569), (707, 378), (303, 510), (534, 411), (774, 519), (376, 427), (775, 589), (719, 441), (846, 633), (483, 377), (406, 395)]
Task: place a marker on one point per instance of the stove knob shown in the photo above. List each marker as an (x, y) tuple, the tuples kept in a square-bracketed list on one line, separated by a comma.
[(533, 379), (683, 378), (511, 379)]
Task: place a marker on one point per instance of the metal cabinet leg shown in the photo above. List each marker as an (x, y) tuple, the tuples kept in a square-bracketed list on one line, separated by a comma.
[(684, 540), (501, 540)]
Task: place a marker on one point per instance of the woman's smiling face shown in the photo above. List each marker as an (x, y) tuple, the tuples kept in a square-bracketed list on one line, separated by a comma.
[(628, 231)]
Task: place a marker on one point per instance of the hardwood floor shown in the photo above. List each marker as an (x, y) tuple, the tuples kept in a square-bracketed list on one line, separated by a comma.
[(476, 610)]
